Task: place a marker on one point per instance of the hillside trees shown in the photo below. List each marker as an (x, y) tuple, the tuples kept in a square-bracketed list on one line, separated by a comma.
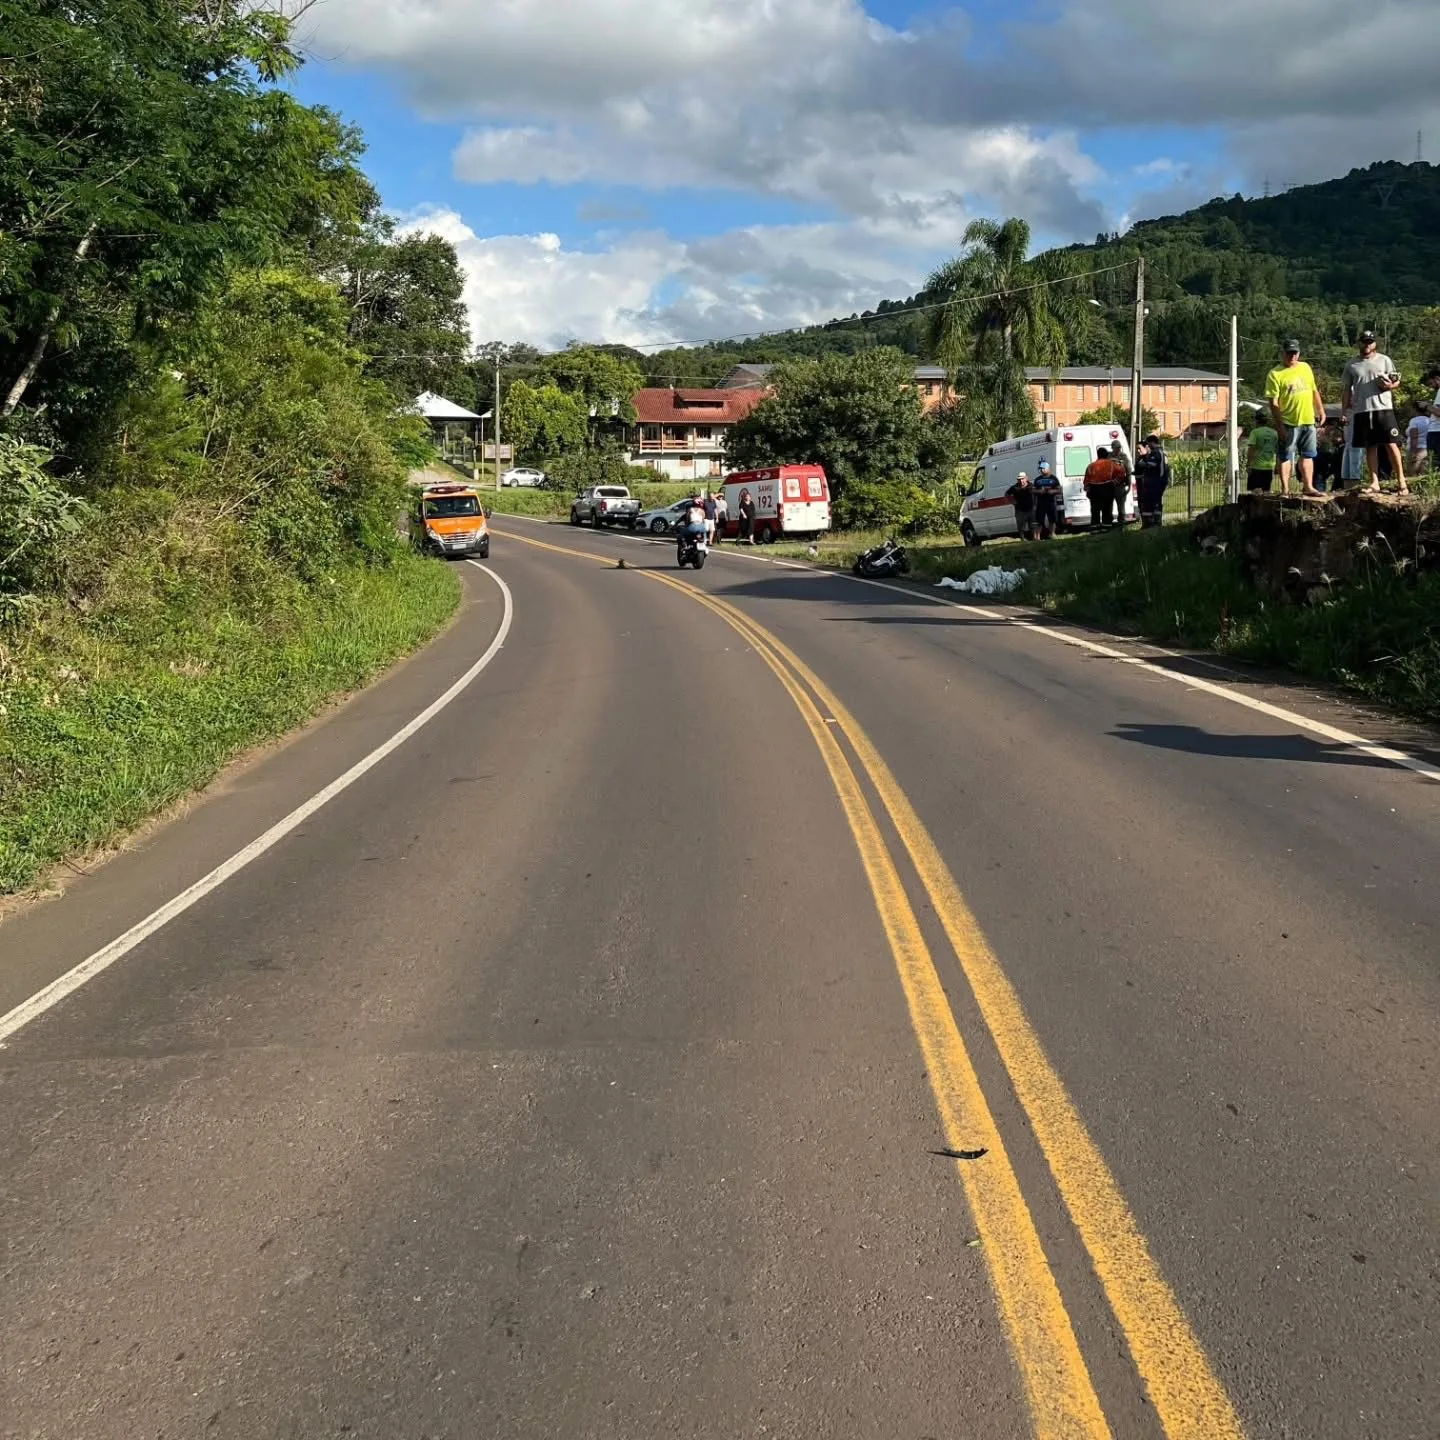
[(143, 154), (407, 311)]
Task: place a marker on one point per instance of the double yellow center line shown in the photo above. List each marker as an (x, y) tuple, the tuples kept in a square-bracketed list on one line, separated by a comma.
[(1188, 1399)]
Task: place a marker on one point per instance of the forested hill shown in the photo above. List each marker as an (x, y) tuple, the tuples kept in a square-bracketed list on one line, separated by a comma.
[(1372, 237), (1320, 261)]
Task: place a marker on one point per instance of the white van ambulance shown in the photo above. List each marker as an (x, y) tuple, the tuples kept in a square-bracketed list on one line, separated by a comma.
[(987, 510), (790, 500)]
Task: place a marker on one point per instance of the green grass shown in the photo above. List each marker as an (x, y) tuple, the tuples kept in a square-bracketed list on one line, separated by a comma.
[(100, 729)]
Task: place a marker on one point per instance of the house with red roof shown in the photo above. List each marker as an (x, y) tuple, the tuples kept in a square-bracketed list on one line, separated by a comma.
[(680, 433)]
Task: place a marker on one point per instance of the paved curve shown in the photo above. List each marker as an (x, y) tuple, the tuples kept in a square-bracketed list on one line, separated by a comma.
[(555, 1079)]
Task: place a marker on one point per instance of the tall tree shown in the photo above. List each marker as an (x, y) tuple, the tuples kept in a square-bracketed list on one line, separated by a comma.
[(542, 421), (144, 151), (407, 311), (605, 381), (1003, 311), (857, 415)]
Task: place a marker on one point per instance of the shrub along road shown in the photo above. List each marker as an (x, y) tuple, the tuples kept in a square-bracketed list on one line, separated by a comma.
[(773, 1005)]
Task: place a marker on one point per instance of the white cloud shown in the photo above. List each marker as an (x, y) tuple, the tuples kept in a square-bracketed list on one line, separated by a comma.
[(797, 100), (899, 134), (647, 289), (816, 99)]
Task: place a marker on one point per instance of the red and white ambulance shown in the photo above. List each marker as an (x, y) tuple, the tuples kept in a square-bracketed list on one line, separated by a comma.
[(790, 500)]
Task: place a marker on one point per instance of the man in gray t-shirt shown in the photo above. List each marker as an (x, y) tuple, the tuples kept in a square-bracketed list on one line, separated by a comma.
[(1367, 396)]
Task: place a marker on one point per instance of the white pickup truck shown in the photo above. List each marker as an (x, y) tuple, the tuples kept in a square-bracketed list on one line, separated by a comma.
[(605, 505)]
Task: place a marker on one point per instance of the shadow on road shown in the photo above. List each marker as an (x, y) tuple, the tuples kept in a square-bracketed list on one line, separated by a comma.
[(1194, 741)]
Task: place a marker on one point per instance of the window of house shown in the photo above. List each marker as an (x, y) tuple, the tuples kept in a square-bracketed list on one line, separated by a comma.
[(1210, 394), (1047, 392), (702, 432), (1048, 419), (649, 432)]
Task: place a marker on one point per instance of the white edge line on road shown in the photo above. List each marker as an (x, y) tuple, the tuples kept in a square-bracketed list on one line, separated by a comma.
[(1224, 692), (1193, 682), (105, 957)]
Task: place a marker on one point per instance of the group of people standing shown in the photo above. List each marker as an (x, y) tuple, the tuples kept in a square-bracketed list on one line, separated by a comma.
[(1324, 452), (714, 512), (1039, 502)]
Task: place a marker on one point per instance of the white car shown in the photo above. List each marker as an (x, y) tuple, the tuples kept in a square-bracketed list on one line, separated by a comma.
[(663, 518), (523, 475)]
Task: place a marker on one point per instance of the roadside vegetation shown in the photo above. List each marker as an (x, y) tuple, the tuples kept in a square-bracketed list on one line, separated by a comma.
[(208, 329)]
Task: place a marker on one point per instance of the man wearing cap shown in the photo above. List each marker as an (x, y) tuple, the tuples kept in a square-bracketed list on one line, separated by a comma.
[(1367, 389), (1022, 497), (1046, 486), (1298, 409), (1152, 479)]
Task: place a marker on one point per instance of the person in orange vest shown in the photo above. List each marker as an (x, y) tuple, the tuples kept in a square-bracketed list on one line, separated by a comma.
[(1102, 484)]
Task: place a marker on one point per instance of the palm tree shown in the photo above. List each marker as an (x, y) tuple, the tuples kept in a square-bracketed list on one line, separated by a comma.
[(1004, 312)]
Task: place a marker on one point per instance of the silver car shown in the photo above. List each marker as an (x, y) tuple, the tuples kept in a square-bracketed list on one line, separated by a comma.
[(523, 475), (662, 519)]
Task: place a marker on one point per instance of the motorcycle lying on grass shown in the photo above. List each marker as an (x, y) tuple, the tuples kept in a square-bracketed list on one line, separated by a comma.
[(879, 561)]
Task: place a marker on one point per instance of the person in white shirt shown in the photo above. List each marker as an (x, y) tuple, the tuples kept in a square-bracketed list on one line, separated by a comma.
[(1417, 437), (1367, 397), (1432, 377)]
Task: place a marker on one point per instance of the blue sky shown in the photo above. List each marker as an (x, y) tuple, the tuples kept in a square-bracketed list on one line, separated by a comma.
[(644, 170)]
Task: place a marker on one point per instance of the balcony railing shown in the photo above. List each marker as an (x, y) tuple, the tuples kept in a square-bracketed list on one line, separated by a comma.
[(712, 446)]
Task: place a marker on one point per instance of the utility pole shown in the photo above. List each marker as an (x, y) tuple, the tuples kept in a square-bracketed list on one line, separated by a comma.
[(1234, 418), (1137, 377), (497, 422)]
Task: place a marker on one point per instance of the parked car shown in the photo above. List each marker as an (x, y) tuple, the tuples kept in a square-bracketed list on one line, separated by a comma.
[(450, 520), (523, 475), (663, 518), (599, 505)]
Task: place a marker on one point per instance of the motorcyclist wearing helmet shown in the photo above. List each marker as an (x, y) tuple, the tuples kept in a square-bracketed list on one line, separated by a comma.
[(692, 524)]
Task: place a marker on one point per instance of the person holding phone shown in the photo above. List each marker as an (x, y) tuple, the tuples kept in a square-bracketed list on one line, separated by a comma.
[(1367, 394)]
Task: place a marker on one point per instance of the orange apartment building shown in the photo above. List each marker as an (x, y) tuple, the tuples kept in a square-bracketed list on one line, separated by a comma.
[(1189, 403)]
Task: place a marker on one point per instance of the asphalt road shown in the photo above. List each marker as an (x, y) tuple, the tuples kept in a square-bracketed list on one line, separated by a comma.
[(777, 1007)]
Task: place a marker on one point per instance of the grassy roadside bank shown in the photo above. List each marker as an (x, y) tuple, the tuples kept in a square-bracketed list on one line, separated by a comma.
[(99, 730)]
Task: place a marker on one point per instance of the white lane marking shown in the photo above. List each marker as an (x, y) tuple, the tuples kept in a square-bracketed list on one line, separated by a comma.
[(1194, 682), (105, 957)]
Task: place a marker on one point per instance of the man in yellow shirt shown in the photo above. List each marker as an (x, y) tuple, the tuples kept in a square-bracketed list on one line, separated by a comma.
[(1299, 411)]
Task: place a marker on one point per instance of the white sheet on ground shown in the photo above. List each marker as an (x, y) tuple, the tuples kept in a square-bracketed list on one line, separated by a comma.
[(991, 581)]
